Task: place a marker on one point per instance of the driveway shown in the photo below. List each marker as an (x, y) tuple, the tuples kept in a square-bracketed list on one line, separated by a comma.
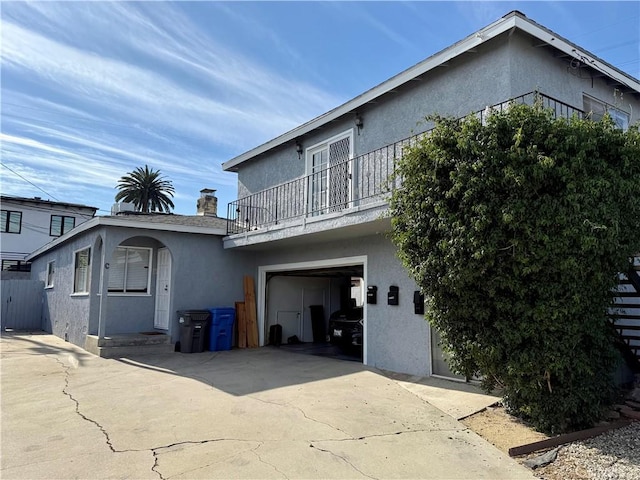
[(258, 413)]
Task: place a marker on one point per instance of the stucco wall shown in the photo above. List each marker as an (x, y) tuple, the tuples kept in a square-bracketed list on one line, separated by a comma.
[(500, 69), (64, 314), (397, 339), (203, 276)]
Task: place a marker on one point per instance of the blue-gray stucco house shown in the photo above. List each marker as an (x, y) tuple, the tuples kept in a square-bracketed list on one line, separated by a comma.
[(309, 222)]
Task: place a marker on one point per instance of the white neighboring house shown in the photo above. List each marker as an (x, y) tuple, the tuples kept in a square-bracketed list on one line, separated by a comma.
[(29, 223)]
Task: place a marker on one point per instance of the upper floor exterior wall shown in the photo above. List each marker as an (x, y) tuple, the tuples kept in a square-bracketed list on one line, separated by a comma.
[(506, 66), (30, 223)]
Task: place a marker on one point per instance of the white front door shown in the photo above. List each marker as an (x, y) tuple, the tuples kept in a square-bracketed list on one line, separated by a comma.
[(163, 290)]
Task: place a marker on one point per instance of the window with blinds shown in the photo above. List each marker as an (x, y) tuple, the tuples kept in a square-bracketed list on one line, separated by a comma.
[(81, 264), (11, 221), (51, 268), (61, 224), (129, 270), (596, 109)]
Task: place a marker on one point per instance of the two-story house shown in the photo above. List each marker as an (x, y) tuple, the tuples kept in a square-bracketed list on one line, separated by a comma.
[(29, 223), (309, 223), (312, 201)]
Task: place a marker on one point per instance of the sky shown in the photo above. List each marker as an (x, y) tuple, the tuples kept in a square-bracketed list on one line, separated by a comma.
[(92, 90)]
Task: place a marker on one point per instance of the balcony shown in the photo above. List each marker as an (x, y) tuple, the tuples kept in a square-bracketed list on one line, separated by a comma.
[(358, 183)]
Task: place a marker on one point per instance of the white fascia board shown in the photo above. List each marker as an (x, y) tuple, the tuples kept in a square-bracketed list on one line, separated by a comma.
[(512, 20), (576, 52), (430, 63), (117, 222)]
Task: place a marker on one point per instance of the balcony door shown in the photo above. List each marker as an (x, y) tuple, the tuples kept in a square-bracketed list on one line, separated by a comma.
[(329, 174)]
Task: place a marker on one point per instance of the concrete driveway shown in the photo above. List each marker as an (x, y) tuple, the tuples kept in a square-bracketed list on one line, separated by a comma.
[(260, 413)]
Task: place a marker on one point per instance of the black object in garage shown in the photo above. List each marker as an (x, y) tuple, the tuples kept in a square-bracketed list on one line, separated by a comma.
[(317, 323), (194, 326)]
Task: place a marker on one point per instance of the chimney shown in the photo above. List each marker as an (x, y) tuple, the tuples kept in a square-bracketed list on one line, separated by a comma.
[(207, 203)]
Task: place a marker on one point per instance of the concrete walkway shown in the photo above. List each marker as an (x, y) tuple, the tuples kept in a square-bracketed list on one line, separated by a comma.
[(261, 413)]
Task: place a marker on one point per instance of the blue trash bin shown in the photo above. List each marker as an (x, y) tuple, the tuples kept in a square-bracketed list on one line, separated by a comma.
[(221, 332)]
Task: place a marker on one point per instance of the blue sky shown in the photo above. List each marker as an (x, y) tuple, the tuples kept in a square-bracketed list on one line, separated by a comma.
[(92, 90)]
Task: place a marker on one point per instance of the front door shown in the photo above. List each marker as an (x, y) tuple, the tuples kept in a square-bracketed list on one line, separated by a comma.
[(329, 169), (163, 290)]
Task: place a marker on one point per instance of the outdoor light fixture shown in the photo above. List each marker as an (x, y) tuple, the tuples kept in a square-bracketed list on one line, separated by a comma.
[(359, 122), (299, 149)]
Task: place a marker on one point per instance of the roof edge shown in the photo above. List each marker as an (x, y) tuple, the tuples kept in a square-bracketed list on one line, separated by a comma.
[(513, 19), (117, 222)]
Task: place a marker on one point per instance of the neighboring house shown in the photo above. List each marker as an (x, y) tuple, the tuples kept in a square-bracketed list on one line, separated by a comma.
[(129, 274), (312, 201), (30, 223), (309, 224)]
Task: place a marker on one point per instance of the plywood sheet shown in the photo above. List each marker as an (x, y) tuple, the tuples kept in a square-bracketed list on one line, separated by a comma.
[(250, 312)]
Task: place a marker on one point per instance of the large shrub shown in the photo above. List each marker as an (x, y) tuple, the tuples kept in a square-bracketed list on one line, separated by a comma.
[(515, 230)]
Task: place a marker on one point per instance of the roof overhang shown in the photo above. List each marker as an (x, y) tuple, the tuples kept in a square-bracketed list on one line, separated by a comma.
[(119, 222), (513, 20), (49, 203)]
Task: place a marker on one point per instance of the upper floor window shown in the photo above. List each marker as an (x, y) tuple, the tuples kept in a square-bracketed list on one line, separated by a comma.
[(596, 109), (129, 271), (81, 273), (61, 224), (11, 221)]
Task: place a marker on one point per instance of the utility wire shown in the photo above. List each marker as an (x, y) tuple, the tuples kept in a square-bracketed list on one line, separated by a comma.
[(29, 182)]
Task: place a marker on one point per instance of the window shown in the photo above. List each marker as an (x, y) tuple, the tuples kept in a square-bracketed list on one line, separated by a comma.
[(61, 224), (51, 268), (329, 174), (596, 109), (16, 266), (11, 221), (81, 264), (129, 270)]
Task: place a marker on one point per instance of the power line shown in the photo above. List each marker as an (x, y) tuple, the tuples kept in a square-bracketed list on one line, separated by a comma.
[(29, 182)]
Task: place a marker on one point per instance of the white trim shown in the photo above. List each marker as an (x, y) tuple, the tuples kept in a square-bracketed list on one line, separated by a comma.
[(309, 265), (149, 269), (118, 222), (318, 147), (87, 290), (335, 138), (50, 272), (125, 294), (512, 20)]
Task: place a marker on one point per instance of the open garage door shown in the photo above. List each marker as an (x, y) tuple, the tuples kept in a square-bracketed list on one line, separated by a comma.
[(305, 299)]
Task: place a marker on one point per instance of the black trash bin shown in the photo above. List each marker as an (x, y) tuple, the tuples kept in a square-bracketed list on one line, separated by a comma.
[(194, 328)]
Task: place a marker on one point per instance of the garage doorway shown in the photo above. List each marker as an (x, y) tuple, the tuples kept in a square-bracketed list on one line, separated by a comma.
[(302, 297)]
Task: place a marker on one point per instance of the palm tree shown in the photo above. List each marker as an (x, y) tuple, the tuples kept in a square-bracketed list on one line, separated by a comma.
[(147, 190)]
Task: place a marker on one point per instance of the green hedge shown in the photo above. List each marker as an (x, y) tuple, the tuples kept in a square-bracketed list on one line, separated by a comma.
[(516, 230)]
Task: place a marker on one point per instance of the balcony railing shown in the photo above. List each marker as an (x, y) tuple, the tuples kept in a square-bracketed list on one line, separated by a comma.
[(362, 180)]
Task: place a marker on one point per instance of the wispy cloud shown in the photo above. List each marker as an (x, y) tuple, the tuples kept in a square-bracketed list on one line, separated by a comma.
[(157, 90)]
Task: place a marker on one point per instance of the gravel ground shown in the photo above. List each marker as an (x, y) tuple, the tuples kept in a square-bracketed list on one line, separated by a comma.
[(614, 455)]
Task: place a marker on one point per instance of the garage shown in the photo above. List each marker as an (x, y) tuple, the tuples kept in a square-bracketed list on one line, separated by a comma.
[(317, 308)]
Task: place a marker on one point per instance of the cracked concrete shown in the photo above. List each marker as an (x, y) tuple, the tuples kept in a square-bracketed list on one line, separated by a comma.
[(261, 413)]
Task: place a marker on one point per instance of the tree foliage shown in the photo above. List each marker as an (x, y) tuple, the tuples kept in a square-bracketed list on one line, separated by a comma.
[(516, 230), (146, 189)]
